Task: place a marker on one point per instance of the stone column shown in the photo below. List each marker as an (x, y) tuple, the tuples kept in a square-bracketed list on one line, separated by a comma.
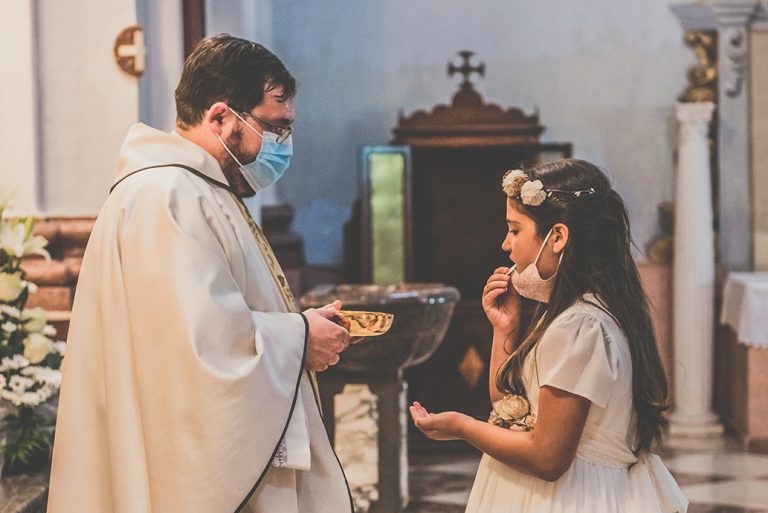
[(694, 278)]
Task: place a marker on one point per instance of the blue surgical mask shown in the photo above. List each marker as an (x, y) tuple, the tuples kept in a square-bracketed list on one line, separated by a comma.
[(271, 162)]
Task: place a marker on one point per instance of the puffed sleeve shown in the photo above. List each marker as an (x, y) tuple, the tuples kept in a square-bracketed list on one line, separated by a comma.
[(575, 354)]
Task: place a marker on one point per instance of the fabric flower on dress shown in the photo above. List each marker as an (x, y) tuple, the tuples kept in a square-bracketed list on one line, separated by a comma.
[(511, 407), (513, 412)]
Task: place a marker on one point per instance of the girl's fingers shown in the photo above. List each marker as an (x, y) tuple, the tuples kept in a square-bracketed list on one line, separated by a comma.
[(492, 295), (419, 407), (426, 422), (501, 281), (418, 411), (503, 286), (501, 271)]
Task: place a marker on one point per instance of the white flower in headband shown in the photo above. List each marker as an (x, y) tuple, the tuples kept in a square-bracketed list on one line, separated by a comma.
[(532, 193), (518, 185), (513, 181)]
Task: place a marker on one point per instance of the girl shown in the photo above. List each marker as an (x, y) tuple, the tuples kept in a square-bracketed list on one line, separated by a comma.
[(579, 393)]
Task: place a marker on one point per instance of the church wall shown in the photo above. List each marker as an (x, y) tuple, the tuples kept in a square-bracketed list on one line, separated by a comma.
[(19, 163), (604, 75), (252, 20), (86, 102)]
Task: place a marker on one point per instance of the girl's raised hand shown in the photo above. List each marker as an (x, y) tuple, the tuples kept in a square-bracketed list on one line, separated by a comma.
[(438, 426), (501, 301)]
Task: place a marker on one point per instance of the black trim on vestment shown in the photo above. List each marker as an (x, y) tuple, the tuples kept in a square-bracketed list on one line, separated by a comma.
[(344, 475), (288, 421), (182, 166)]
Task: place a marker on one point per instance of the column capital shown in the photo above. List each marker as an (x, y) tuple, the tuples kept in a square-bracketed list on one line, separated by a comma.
[(694, 113), (695, 16), (730, 13)]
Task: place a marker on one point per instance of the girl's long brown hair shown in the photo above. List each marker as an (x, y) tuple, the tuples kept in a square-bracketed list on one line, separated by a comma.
[(596, 259)]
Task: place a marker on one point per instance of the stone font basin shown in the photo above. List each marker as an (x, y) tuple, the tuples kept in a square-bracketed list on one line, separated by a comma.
[(422, 314)]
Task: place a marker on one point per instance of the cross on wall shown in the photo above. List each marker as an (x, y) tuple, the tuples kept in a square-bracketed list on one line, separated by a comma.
[(466, 68), (130, 50)]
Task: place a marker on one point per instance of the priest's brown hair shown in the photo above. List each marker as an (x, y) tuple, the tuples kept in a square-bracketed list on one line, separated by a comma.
[(225, 68)]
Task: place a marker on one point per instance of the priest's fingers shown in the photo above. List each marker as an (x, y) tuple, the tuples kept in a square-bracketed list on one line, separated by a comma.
[(334, 360), (346, 338), (329, 310), (326, 339)]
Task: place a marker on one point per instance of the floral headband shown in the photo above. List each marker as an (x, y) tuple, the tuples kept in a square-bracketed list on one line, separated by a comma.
[(518, 185)]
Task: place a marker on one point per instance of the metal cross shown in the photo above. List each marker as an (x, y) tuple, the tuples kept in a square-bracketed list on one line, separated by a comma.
[(466, 68)]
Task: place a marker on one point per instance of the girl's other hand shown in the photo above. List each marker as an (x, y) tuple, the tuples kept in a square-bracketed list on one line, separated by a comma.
[(438, 426), (501, 301)]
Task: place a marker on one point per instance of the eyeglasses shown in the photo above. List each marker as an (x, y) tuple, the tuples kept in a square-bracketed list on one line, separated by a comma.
[(283, 132)]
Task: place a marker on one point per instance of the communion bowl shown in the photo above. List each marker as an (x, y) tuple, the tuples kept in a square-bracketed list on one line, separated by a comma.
[(422, 314)]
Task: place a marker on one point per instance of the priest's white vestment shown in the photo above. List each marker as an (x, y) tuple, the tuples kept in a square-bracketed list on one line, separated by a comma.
[(184, 388)]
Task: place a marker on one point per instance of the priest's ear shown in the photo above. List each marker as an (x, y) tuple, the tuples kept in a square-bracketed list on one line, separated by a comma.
[(215, 116)]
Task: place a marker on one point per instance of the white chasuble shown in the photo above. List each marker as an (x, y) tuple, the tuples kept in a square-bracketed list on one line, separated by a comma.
[(184, 388)]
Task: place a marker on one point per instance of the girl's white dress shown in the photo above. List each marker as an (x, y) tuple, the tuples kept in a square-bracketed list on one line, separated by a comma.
[(584, 352)]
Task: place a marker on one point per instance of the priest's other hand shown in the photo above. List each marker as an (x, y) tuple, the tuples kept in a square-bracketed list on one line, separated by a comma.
[(326, 338)]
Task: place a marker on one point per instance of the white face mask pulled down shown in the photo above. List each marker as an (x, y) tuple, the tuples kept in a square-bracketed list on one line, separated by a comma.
[(529, 282)]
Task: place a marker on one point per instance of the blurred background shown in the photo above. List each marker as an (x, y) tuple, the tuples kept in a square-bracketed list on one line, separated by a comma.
[(400, 142)]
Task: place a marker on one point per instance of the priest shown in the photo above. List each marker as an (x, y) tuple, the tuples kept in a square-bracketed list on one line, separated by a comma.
[(188, 385)]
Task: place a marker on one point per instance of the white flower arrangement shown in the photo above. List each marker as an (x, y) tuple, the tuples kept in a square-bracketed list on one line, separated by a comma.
[(16, 239), (30, 359), (513, 412)]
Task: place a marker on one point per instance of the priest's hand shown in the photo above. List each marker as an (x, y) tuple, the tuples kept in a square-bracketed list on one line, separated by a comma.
[(326, 338)]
